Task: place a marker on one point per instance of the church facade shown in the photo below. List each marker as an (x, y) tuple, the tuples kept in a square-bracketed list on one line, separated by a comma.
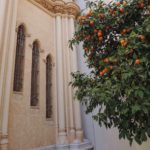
[(37, 107)]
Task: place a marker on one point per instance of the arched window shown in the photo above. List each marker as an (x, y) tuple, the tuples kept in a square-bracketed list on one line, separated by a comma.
[(19, 60), (48, 87), (35, 74)]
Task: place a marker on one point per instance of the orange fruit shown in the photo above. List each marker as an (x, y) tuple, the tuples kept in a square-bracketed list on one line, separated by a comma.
[(148, 7), (95, 31), (101, 73), (124, 43), (121, 10), (137, 62), (106, 60), (92, 23), (118, 3), (105, 70), (100, 33), (89, 13)]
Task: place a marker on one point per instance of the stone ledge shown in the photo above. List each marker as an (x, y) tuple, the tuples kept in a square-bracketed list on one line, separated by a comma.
[(86, 145)]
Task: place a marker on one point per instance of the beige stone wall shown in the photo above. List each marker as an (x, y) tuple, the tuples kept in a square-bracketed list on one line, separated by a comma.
[(28, 127)]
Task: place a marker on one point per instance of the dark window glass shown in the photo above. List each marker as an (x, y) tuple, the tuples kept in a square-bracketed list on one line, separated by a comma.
[(48, 87), (35, 74), (19, 60)]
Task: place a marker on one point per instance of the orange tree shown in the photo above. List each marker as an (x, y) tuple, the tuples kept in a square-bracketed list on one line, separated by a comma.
[(116, 43)]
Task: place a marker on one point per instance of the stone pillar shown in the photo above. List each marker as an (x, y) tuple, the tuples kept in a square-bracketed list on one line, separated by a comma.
[(77, 113), (70, 109), (60, 82), (3, 5), (6, 74)]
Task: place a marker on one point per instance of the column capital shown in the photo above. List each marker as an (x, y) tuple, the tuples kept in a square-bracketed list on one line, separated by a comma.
[(57, 6)]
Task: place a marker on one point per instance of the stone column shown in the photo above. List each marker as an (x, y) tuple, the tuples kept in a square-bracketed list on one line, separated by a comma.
[(69, 88), (60, 83), (3, 5), (6, 74), (77, 113)]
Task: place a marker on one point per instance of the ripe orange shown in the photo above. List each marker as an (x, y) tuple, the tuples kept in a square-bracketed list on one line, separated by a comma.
[(91, 23), (106, 60), (121, 10), (137, 62), (100, 33), (95, 30), (148, 7), (89, 13), (124, 42), (101, 73), (105, 70), (118, 3)]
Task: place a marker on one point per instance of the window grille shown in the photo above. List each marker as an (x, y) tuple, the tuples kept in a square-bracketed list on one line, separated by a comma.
[(35, 74), (48, 87), (19, 60)]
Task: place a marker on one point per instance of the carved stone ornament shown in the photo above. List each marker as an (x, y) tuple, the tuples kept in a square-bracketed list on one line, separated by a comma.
[(58, 6)]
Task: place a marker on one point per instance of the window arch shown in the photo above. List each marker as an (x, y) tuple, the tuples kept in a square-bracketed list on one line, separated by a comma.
[(35, 74), (48, 87), (19, 60)]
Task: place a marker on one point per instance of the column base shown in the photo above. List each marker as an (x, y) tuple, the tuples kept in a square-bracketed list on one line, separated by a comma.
[(74, 146), (72, 135), (4, 143), (62, 138), (79, 135)]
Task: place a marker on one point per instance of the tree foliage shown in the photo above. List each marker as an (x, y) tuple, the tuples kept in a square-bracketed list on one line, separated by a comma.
[(116, 43)]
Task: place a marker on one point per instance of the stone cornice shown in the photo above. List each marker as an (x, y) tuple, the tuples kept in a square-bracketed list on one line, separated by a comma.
[(57, 6)]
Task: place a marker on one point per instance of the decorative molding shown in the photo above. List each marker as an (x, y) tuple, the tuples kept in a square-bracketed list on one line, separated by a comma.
[(57, 6)]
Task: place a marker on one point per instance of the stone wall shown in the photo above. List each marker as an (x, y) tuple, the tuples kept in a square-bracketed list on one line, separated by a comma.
[(28, 126)]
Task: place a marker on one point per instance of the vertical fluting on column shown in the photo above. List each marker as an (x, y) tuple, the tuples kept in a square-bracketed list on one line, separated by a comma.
[(77, 113), (69, 88), (7, 68), (65, 71), (3, 5), (60, 82)]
